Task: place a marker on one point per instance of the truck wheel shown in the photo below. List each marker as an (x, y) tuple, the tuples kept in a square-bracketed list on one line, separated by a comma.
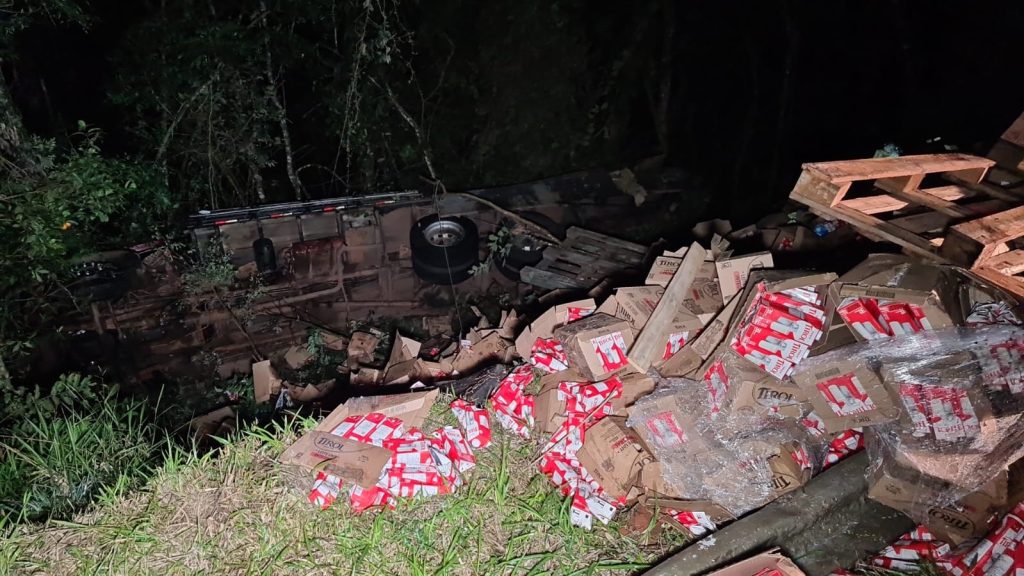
[(442, 244)]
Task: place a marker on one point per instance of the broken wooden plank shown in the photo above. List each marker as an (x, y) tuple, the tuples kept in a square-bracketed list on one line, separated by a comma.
[(1015, 133), (846, 171), (649, 345), (810, 189), (1009, 263), (1011, 284), (971, 243)]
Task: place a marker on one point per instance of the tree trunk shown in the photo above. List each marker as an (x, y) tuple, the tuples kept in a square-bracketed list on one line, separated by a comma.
[(282, 114), (13, 155)]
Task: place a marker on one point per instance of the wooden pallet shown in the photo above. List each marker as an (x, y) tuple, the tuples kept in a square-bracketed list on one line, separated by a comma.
[(897, 209), (583, 259), (970, 222)]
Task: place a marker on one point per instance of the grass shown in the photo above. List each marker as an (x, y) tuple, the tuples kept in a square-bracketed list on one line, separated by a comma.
[(238, 512)]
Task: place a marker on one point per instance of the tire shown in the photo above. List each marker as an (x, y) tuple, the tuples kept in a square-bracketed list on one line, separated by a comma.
[(557, 230), (442, 244), (524, 251), (440, 275)]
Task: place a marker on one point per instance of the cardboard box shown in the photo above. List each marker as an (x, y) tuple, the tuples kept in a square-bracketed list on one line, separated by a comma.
[(297, 356), (491, 348), (352, 461), (411, 408), (545, 324), (770, 563), (596, 345), (633, 304), (548, 409), (361, 348), (265, 382), (846, 395), (918, 496), (614, 455), (733, 272), (634, 386), (696, 351), (310, 392), (662, 270), (752, 392), (885, 278)]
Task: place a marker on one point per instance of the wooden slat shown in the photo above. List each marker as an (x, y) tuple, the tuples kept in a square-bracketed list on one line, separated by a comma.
[(885, 203), (580, 233), (1010, 263), (1011, 284), (811, 189), (995, 228), (1015, 133), (649, 345), (1008, 156), (872, 168), (938, 222), (986, 188), (922, 198), (546, 279)]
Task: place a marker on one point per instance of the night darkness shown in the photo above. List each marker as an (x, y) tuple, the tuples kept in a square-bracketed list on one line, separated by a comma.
[(756, 87)]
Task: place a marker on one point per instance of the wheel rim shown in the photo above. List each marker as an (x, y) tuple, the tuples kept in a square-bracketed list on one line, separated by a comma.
[(444, 233)]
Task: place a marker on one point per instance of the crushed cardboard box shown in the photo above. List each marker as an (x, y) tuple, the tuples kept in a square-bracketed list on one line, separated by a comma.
[(265, 381), (361, 348), (614, 455), (297, 356), (411, 408), (770, 563), (544, 326), (733, 272), (596, 345), (918, 497)]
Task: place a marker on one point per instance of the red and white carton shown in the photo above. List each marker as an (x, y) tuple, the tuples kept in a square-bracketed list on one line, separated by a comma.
[(697, 522), (997, 553), (863, 316), (611, 349), (771, 318), (844, 444), (810, 313), (717, 382), (665, 430), (774, 365), (573, 313), (805, 294), (846, 395), (675, 343), (1001, 365), (919, 315), (456, 447), (814, 424), (548, 355), (325, 490), (944, 412), (475, 422), (373, 428), (361, 499), (772, 343), (900, 318)]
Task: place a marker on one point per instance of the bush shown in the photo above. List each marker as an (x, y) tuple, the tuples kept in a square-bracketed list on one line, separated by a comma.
[(57, 457)]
